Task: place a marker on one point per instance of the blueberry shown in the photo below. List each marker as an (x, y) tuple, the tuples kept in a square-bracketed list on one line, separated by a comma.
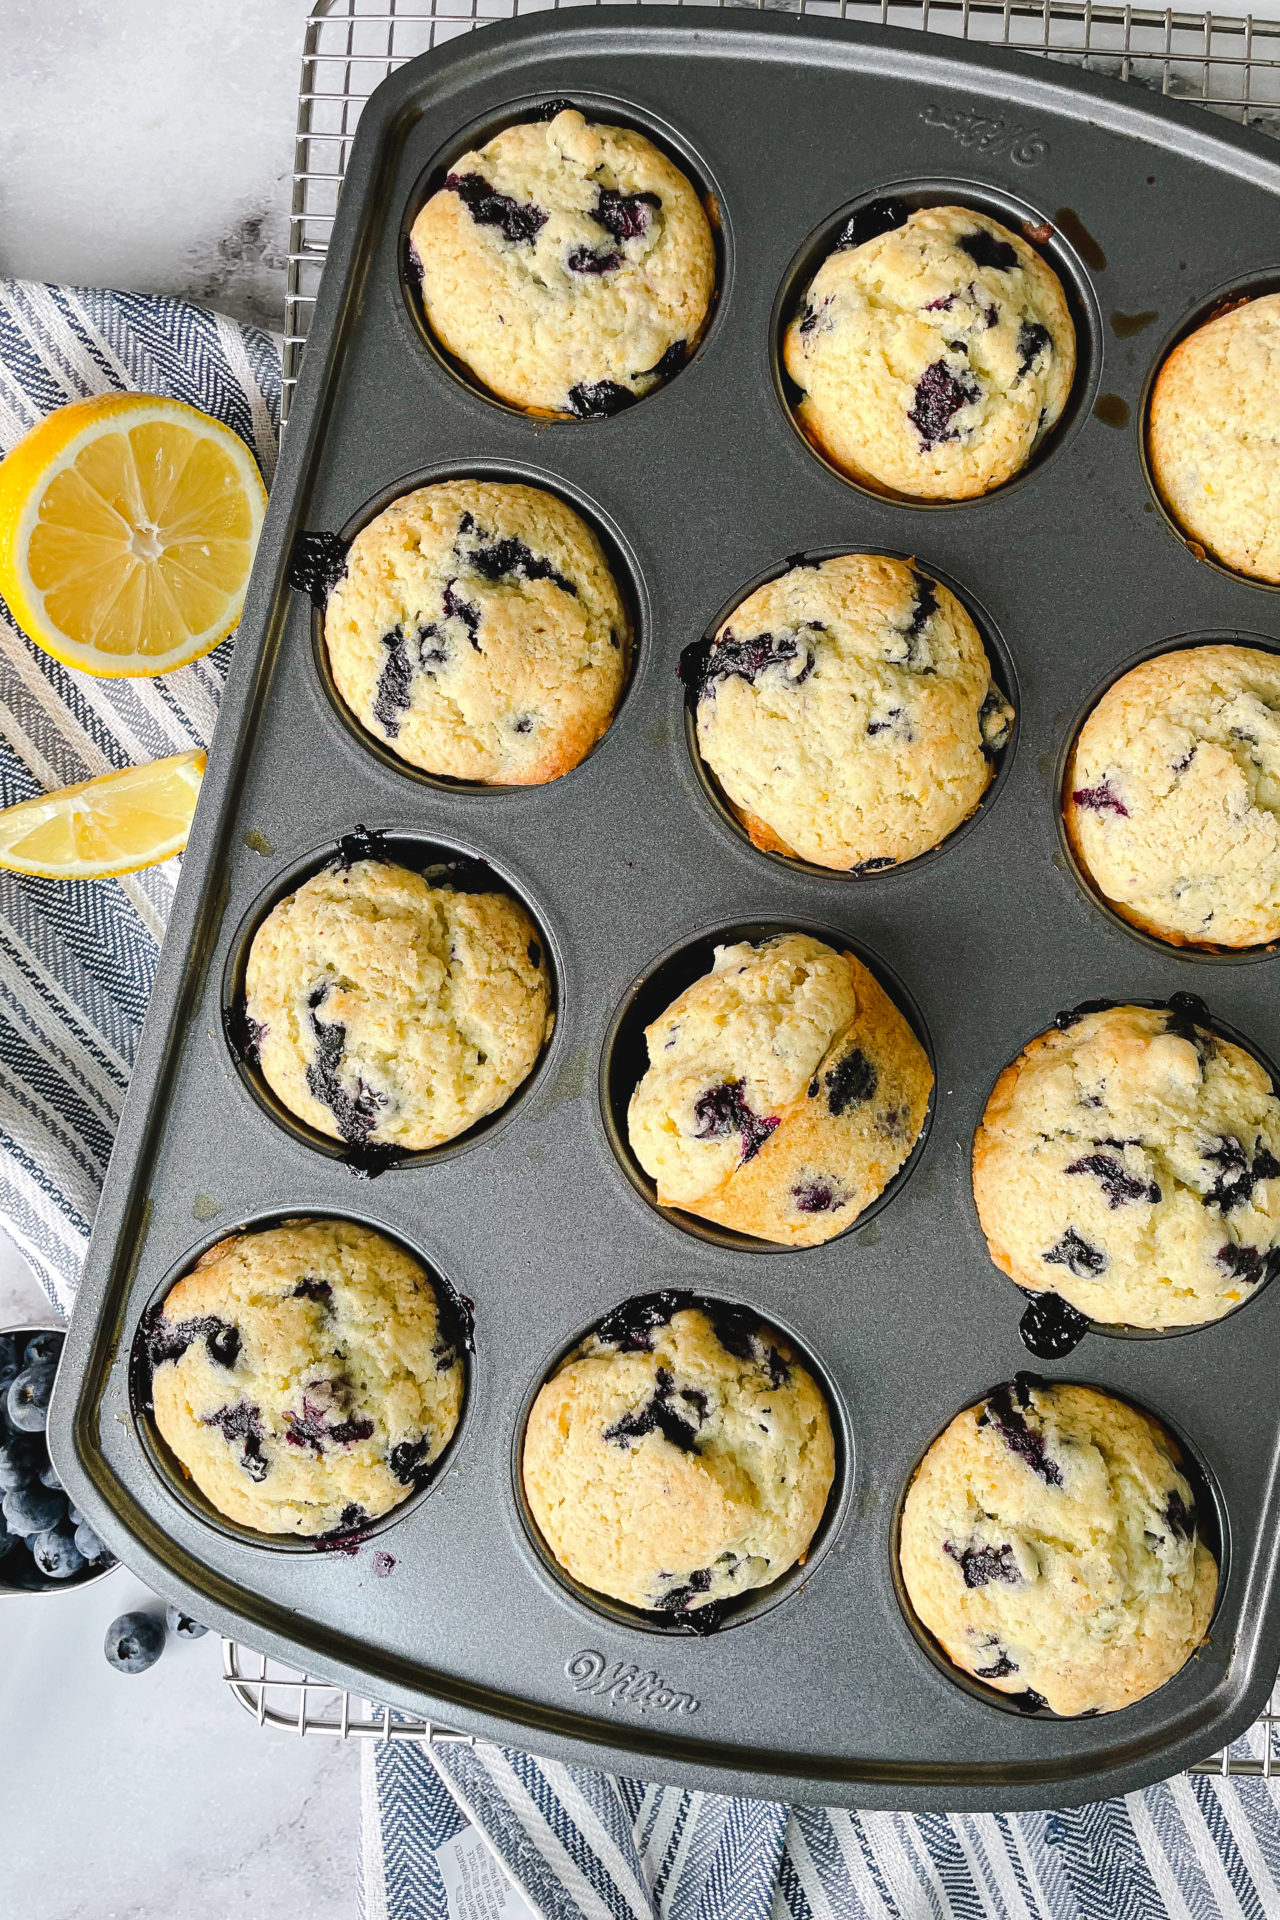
[(940, 394), (1100, 799), (87, 1541), (516, 222), (48, 1476), (43, 1349), (10, 1348), (985, 250), (134, 1642), (19, 1462), (10, 1368), (183, 1625), (74, 1515), (28, 1401), (56, 1554), (33, 1509)]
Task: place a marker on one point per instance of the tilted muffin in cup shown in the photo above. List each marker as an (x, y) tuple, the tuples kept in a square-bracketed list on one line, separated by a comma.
[(568, 264), (680, 1456), (1172, 796), (847, 710), (934, 357), (307, 1376), (1050, 1544), (784, 1091)]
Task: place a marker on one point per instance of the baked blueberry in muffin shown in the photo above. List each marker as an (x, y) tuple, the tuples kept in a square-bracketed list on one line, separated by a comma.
[(568, 265), (784, 1090), (479, 633), (933, 356), (1050, 1544), (388, 1010), (680, 1456), (847, 710), (1129, 1162), (307, 1376)]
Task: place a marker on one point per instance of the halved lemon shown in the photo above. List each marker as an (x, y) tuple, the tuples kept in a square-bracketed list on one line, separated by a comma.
[(115, 823), (127, 532)]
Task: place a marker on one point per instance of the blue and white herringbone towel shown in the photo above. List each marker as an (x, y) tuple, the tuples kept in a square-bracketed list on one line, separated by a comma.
[(77, 959), (461, 1832)]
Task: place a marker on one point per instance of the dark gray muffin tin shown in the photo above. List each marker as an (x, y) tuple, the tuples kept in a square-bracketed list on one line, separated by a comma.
[(818, 1690)]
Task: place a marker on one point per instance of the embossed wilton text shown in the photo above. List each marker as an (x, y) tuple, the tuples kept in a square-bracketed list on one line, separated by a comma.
[(1023, 145), (590, 1672)]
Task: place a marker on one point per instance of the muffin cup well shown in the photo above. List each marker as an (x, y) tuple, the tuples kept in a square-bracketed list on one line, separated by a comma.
[(1119, 1329), (1219, 300), (1185, 950), (719, 1615), (1212, 1520), (305, 575), (455, 1311), (441, 862), (601, 108), (624, 1059), (1021, 218), (1002, 673)]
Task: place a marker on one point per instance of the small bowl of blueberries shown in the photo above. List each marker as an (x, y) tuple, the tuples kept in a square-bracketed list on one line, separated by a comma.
[(46, 1544)]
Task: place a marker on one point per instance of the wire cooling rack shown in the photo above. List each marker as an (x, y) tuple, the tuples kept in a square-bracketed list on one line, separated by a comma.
[(1229, 64)]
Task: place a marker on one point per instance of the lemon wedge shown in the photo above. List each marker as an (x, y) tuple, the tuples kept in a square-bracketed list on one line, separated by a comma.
[(127, 532), (113, 824)]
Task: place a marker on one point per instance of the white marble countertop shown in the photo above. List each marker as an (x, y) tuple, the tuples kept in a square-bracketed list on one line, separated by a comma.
[(149, 144)]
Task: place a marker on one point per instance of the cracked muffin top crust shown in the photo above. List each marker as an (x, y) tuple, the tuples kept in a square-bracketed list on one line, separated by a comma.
[(1172, 797), (1129, 1161), (784, 1090), (306, 1376), (680, 1456), (1050, 1544), (934, 351), (848, 711), (569, 265), (477, 631), (387, 1010)]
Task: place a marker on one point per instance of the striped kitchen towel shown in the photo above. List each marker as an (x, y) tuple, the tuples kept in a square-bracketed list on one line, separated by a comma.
[(564, 1843), (461, 1832), (77, 959)]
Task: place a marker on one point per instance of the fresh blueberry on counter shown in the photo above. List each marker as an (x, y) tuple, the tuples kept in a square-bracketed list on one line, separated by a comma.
[(29, 1396), (134, 1642), (183, 1626), (48, 1476), (33, 1509), (56, 1554)]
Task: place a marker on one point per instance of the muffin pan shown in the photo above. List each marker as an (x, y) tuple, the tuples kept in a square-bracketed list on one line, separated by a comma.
[(706, 487)]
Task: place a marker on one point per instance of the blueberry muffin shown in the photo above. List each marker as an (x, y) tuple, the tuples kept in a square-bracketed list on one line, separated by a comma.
[(849, 714), (1172, 800), (1129, 1161), (933, 357), (1213, 432), (570, 266), (477, 630), (784, 1091), (383, 1008), (682, 1455), (1050, 1545), (307, 1377)]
